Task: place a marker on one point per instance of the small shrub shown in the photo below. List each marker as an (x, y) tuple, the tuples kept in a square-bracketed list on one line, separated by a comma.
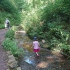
[(66, 49), (11, 45), (10, 34), (1, 26)]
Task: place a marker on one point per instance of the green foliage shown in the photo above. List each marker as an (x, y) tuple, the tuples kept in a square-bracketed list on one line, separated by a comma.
[(54, 13), (52, 10), (1, 26), (58, 10), (13, 20), (10, 34), (8, 9), (11, 45), (65, 48), (6, 5), (36, 31)]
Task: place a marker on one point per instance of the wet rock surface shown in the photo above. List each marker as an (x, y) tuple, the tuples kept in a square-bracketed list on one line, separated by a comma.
[(44, 62)]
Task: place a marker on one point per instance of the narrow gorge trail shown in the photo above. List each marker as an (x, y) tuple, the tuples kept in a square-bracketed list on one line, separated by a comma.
[(46, 61)]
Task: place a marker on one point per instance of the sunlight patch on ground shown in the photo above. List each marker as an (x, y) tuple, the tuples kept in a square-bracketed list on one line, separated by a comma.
[(56, 52), (50, 59), (42, 64)]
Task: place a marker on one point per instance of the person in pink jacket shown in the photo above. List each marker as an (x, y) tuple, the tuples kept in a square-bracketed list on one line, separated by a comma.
[(36, 46)]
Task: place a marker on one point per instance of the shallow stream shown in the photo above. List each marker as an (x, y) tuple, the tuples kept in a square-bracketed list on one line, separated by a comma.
[(46, 61)]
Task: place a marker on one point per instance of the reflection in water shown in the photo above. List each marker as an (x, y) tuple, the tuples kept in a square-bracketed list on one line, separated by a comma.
[(30, 60), (28, 46)]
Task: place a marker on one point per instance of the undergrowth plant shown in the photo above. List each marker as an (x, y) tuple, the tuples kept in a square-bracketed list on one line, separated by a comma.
[(11, 45), (10, 34), (65, 48)]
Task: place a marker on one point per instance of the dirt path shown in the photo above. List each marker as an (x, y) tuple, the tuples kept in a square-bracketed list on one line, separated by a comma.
[(3, 57)]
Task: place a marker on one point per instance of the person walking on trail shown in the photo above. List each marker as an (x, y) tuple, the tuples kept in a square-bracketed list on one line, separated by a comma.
[(7, 23), (36, 46)]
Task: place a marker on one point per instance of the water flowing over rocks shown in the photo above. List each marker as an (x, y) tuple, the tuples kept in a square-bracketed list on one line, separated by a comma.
[(47, 59)]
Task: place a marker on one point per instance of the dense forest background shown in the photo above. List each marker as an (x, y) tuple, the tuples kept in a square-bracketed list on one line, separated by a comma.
[(46, 19)]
